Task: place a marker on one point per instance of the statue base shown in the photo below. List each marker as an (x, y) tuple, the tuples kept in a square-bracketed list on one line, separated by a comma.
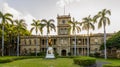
[(49, 54)]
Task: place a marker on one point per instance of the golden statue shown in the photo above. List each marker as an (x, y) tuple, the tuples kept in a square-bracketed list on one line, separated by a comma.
[(50, 50), (50, 42)]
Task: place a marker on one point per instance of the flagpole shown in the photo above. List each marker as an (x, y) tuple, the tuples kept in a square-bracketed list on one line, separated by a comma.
[(64, 9)]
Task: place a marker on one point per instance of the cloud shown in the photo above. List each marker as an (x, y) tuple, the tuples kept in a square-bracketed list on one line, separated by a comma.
[(28, 19), (62, 3), (17, 14), (14, 12)]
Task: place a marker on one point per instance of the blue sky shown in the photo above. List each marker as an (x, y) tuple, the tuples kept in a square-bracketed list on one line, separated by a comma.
[(48, 9)]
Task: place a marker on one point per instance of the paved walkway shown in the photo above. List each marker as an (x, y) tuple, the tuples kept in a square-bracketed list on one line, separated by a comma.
[(100, 63)]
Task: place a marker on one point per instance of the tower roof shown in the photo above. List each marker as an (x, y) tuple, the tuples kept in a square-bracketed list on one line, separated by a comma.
[(63, 16)]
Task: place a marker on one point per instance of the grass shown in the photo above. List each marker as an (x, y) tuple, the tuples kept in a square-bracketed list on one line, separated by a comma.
[(39, 62), (112, 61)]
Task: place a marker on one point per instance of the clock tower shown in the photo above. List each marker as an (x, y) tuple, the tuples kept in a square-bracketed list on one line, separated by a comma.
[(63, 26)]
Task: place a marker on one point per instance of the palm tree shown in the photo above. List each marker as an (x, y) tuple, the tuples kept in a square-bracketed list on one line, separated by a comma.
[(10, 29), (87, 25), (5, 18), (20, 26), (103, 21), (74, 27), (38, 27), (49, 25)]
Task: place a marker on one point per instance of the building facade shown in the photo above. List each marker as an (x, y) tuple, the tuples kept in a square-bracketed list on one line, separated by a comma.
[(63, 42)]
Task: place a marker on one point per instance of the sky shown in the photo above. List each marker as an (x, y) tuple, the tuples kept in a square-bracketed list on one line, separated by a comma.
[(49, 9)]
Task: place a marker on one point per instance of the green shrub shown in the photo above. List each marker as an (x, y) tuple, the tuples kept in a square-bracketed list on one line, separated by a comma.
[(111, 65), (65, 56), (84, 61), (10, 59), (56, 54), (31, 54), (6, 60), (69, 54), (42, 54), (97, 54), (91, 55)]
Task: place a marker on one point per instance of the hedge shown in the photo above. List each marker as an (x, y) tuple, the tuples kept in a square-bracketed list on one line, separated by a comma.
[(65, 56), (84, 61), (10, 59)]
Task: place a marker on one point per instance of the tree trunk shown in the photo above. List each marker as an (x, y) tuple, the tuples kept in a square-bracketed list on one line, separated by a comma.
[(75, 46), (18, 45), (36, 44), (47, 42), (88, 43), (9, 46), (105, 43), (9, 50), (83, 45), (3, 40)]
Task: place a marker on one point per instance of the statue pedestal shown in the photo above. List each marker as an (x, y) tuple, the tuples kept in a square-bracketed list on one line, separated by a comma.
[(49, 54)]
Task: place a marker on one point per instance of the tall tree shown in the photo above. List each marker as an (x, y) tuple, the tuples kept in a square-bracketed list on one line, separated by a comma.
[(103, 20), (9, 29), (74, 27), (38, 27), (5, 18), (87, 25), (50, 26), (20, 26)]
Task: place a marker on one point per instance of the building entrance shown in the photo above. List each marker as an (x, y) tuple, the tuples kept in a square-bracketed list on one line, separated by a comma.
[(63, 52)]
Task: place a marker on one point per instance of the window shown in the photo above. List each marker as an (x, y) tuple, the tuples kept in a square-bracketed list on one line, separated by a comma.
[(96, 41), (54, 41), (34, 41), (54, 49), (79, 41), (43, 42), (25, 50), (96, 49), (65, 28), (25, 41), (30, 50), (42, 49), (63, 21), (61, 31), (30, 41), (34, 49), (65, 31)]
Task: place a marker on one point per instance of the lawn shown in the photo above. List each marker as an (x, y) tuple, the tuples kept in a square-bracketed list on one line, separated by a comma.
[(113, 61), (40, 62)]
